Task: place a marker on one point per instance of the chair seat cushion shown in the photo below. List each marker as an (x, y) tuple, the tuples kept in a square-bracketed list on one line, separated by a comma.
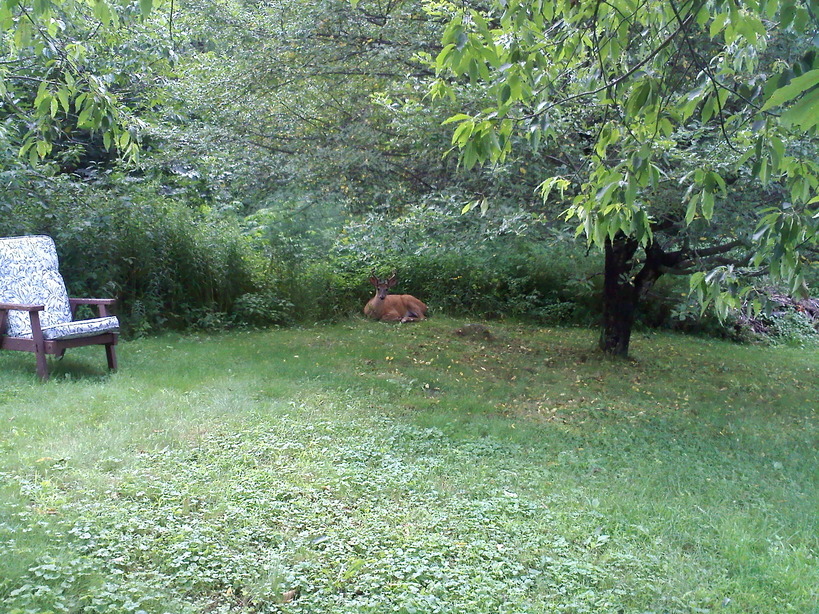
[(81, 328)]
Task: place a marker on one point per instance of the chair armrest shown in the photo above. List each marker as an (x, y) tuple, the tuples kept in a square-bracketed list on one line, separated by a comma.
[(33, 314), (19, 307), (102, 304)]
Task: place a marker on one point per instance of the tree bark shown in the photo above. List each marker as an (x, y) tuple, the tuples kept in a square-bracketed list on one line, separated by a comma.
[(623, 289), (620, 296), (624, 286)]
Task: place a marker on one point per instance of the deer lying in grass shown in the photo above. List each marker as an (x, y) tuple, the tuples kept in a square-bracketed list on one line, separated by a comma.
[(393, 307)]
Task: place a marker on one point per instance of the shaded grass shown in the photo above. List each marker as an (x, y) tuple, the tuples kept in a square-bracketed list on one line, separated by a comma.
[(380, 468)]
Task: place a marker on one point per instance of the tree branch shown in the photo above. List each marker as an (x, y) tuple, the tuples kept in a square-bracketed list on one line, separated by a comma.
[(615, 82)]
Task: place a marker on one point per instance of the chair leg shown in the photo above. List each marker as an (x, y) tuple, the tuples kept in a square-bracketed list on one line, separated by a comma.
[(42, 365), (111, 355), (39, 345)]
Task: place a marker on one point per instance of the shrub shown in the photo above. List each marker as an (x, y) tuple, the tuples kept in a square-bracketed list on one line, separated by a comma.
[(173, 265), (464, 268), (263, 309), (169, 265), (791, 328)]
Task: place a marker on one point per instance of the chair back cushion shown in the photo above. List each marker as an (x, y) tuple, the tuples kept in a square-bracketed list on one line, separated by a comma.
[(29, 275)]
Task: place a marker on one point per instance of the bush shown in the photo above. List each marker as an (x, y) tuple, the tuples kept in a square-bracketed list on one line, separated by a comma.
[(791, 328), (456, 266), (263, 309), (172, 265), (167, 264)]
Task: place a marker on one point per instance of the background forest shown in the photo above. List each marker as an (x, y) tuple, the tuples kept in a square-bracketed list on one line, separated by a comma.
[(263, 157)]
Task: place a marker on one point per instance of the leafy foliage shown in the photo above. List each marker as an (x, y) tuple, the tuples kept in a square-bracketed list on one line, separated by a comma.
[(65, 91), (169, 265), (661, 114), (286, 149), (310, 97)]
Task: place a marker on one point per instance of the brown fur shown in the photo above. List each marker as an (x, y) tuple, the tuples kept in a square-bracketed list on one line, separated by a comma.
[(393, 307)]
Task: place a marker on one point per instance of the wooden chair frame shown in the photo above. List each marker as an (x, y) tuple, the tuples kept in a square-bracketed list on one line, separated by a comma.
[(56, 347)]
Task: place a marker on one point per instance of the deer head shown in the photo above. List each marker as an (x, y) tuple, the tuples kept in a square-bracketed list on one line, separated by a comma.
[(382, 286)]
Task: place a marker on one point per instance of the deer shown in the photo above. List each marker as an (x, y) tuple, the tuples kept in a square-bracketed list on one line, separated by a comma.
[(393, 307)]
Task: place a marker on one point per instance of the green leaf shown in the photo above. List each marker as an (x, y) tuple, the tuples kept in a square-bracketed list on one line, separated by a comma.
[(708, 109), (84, 120), (462, 133), (62, 95), (22, 34), (717, 182), (43, 148), (763, 171), (102, 12), (805, 113), (696, 281), (6, 17), (440, 60), (456, 118), (470, 156), (146, 5), (795, 88), (631, 190), (777, 152), (546, 187), (638, 98), (707, 205), (718, 24), (691, 210)]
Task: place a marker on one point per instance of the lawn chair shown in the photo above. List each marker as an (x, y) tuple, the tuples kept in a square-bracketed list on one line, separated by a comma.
[(36, 314)]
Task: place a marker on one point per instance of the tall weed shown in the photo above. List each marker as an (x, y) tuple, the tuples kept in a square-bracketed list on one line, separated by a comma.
[(168, 264)]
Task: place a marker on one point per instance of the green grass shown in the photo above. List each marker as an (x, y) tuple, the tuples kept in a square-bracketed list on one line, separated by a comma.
[(364, 467)]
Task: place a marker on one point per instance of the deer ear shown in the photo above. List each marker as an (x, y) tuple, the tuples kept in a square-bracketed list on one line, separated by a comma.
[(392, 281), (374, 280)]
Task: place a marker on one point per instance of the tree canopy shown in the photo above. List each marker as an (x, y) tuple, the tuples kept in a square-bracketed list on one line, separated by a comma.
[(686, 130), (63, 74)]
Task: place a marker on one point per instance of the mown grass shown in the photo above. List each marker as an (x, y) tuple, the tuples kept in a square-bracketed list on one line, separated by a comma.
[(363, 467)]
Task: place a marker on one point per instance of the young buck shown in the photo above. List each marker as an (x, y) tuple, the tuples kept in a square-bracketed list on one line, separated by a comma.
[(393, 307)]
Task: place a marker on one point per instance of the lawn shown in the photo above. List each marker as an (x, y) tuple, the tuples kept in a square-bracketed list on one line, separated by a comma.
[(434, 467)]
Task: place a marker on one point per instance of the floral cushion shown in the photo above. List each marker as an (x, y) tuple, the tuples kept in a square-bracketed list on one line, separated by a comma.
[(81, 328), (29, 275)]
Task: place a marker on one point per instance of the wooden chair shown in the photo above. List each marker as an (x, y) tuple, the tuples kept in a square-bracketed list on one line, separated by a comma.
[(36, 314)]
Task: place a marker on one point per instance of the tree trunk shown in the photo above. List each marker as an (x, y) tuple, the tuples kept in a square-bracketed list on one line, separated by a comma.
[(620, 296), (623, 290)]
